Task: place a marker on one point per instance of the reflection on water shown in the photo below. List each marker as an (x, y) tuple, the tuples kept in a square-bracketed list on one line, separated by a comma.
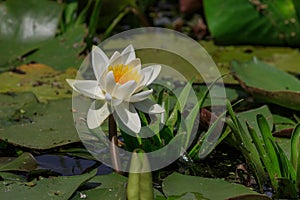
[(68, 166)]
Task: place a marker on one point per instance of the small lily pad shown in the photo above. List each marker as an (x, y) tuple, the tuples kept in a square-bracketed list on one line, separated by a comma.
[(24, 162), (268, 83)]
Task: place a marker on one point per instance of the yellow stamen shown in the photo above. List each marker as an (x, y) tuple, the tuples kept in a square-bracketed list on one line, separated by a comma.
[(124, 73)]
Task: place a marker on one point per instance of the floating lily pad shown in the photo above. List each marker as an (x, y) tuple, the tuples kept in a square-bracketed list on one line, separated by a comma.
[(113, 186), (250, 117), (24, 25), (62, 52), (60, 188), (276, 22), (268, 83), (25, 162), (177, 184), (284, 58), (42, 126), (10, 102), (45, 82)]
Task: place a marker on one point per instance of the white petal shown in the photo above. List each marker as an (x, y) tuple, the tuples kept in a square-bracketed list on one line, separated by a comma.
[(71, 83), (125, 90), (128, 54), (148, 106), (146, 73), (96, 117), (110, 83), (155, 73), (135, 63), (99, 61), (140, 96), (116, 58), (128, 116), (89, 88)]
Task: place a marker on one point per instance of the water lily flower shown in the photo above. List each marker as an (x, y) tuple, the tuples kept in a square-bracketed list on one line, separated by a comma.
[(120, 83)]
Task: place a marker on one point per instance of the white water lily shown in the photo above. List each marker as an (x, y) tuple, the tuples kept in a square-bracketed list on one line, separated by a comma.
[(119, 82)]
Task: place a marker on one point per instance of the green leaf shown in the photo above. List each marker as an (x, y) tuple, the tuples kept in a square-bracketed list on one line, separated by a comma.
[(268, 83), (60, 188), (62, 52), (266, 134), (24, 25), (214, 189), (295, 153), (25, 162), (50, 125), (45, 82), (276, 22)]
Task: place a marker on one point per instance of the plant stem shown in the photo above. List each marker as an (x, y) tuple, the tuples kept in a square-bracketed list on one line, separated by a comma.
[(112, 131)]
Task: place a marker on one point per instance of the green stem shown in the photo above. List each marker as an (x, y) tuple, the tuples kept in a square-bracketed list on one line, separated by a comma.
[(112, 131)]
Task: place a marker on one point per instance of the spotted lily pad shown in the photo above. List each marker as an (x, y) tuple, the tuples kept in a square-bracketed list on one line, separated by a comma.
[(268, 83), (41, 126), (45, 82), (60, 188)]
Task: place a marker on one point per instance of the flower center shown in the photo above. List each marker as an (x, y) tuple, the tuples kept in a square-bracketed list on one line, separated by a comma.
[(124, 73)]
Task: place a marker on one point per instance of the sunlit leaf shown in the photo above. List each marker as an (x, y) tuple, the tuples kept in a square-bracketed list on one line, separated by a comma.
[(24, 25), (268, 83)]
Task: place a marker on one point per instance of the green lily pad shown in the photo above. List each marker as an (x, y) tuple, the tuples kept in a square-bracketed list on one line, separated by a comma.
[(177, 184), (24, 25), (7, 176), (11, 102), (276, 22), (284, 58), (45, 82), (24, 162), (42, 126), (62, 52), (113, 186), (60, 188), (250, 117), (268, 83)]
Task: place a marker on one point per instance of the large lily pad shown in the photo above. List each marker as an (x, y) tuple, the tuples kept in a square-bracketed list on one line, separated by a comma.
[(62, 52), (275, 21), (41, 126), (60, 188), (214, 189), (24, 25), (284, 58), (268, 83), (45, 82)]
